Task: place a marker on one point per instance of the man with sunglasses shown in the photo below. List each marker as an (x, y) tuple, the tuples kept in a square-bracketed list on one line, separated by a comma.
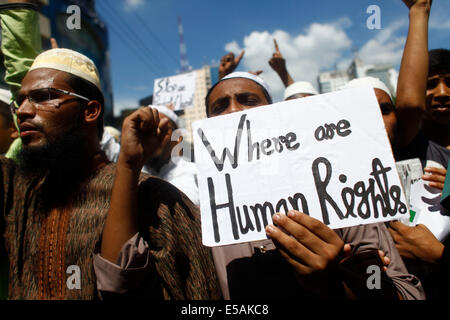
[(55, 202)]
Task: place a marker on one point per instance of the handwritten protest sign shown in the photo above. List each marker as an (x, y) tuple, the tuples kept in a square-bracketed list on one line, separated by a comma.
[(178, 90), (327, 156)]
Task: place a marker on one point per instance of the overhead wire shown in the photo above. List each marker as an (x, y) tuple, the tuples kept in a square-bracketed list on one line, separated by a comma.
[(158, 65)]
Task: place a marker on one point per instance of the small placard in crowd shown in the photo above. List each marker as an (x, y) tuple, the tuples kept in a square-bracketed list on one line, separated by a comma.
[(178, 90)]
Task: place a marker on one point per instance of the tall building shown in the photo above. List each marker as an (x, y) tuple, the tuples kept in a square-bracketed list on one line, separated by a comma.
[(332, 80), (337, 79), (91, 39), (198, 111)]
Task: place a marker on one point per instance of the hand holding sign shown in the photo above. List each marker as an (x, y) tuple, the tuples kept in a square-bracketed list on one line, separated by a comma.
[(416, 242), (142, 134), (311, 247), (435, 177)]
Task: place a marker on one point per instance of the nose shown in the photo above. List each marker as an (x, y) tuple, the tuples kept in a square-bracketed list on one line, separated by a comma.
[(442, 93), (26, 110), (235, 106)]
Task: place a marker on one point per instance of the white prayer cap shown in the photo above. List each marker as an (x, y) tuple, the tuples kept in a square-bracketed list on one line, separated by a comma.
[(167, 112), (368, 81), (69, 61), (304, 87), (113, 132), (5, 96), (247, 75)]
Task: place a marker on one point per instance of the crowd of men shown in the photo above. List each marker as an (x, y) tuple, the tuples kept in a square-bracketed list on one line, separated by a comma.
[(129, 219)]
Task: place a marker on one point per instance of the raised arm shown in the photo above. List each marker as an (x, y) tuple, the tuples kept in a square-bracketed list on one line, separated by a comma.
[(412, 82), (142, 133), (21, 40), (278, 64)]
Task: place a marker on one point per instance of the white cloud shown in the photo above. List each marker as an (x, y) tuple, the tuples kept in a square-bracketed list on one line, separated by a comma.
[(319, 47), (131, 5), (385, 47)]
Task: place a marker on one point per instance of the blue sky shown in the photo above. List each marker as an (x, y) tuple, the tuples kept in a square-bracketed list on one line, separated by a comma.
[(313, 36)]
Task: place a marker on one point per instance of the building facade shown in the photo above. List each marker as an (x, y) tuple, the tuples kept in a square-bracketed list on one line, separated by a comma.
[(337, 79)]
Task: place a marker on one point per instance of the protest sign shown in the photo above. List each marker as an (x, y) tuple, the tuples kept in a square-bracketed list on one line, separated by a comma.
[(177, 90), (327, 156)]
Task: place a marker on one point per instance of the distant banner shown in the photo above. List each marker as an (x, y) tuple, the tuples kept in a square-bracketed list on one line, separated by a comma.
[(327, 156), (177, 90)]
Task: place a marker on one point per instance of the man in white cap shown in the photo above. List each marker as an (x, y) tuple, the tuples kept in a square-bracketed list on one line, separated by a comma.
[(299, 89), (385, 101), (56, 203)]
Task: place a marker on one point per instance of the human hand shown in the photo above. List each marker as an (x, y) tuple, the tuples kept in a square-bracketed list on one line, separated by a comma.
[(436, 178), (416, 242), (418, 3), (228, 63), (308, 245), (347, 250), (277, 62), (142, 135)]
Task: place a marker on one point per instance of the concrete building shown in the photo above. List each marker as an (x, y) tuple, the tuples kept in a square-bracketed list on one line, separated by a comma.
[(332, 80), (337, 79), (198, 111)]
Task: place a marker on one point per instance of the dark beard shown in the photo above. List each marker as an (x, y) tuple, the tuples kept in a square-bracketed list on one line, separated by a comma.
[(61, 163)]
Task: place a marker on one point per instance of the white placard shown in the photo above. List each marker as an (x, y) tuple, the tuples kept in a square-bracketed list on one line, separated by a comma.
[(177, 90), (326, 155)]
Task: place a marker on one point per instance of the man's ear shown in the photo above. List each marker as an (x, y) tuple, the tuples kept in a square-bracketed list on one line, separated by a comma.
[(92, 111)]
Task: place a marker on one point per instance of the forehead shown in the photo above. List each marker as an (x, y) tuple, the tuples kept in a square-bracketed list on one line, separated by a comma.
[(45, 78), (235, 86)]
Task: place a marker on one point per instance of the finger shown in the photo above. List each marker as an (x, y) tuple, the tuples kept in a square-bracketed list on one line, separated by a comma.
[(317, 227), (147, 123), (54, 43), (347, 250), (291, 246), (277, 49), (439, 171), (384, 258), (398, 226), (238, 59), (150, 120), (436, 185), (300, 233), (434, 177)]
